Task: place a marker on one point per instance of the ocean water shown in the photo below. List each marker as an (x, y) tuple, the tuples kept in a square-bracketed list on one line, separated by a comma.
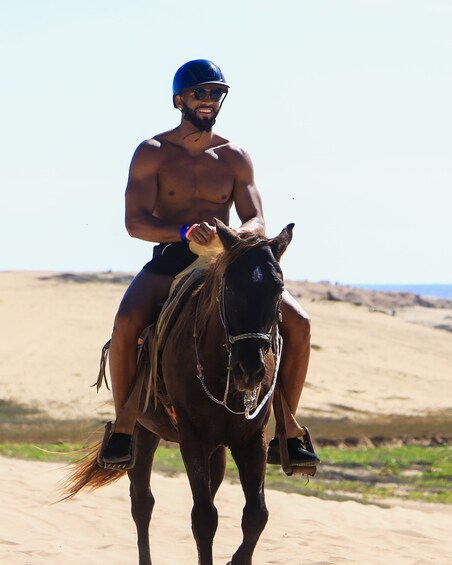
[(433, 290)]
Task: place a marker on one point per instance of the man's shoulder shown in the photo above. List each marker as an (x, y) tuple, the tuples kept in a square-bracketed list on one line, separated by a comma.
[(153, 147), (148, 156), (236, 154), (147, 146), (156, 142)]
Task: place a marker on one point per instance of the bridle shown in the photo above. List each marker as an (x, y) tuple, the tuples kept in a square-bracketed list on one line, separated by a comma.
[(250, 397)]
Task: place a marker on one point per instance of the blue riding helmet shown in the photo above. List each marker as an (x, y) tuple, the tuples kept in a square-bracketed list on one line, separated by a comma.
[(196, 73)]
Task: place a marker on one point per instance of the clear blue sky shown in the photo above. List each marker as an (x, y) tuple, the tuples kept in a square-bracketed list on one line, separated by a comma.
[(344, 106)]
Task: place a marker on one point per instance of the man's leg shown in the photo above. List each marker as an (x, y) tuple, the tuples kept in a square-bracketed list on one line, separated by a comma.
[(295, 330), (138, 309)]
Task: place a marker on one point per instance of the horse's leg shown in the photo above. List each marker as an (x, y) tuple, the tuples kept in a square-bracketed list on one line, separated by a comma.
[(217, 469), (140, 492), (204, 515), (251, 460)]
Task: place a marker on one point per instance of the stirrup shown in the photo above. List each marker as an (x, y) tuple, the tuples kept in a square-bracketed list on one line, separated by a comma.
[(306, 438), (294, 469), (123, 465), (310, 470)]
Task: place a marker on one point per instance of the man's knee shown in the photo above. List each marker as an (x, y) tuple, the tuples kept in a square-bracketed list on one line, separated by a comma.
[(304, 324), (296, 322), (300, 327), (126, 323)]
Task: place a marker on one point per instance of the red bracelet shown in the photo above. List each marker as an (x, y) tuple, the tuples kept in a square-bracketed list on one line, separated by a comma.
[(190, 229)]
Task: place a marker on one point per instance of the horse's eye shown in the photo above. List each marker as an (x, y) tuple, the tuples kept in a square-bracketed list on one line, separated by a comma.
[(229, 291)]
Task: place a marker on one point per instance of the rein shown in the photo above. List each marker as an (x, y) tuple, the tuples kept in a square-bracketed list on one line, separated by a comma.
[(250, 397)]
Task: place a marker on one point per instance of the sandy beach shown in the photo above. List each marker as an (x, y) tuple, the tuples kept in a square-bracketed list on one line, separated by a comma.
[(368, 361), (96, 528)]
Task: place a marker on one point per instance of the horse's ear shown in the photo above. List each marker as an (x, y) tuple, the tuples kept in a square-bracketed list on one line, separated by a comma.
[(226, 234), (279, 243)]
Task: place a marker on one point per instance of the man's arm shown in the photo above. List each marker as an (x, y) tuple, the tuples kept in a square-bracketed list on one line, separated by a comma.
[(141, 197), (247, 199)]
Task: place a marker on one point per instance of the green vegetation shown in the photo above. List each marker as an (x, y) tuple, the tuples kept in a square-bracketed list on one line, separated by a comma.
[(364, 474), (64, 452), (409, 472), (368, 474)]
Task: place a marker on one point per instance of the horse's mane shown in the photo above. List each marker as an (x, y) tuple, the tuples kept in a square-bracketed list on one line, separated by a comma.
[(205, 296)]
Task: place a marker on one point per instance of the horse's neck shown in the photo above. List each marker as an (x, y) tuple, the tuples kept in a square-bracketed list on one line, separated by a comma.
[(213, 332), (212, 339)]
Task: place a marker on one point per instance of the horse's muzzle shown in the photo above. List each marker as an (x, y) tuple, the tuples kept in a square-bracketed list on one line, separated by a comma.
[(249, 370)]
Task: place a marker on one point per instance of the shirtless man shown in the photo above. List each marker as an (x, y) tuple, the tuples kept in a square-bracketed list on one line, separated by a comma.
[(178, 182)]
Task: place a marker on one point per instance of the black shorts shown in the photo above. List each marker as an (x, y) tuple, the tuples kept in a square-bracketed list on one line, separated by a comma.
[(170, 258)]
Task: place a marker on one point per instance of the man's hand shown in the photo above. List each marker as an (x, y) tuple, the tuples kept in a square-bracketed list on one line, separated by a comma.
[(202, 233)]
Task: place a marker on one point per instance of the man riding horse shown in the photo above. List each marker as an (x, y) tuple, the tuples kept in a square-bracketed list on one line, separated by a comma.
[(179, 181)]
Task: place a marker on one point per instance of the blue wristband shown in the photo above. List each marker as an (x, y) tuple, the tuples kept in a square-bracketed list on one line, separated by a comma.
[(183, 231)]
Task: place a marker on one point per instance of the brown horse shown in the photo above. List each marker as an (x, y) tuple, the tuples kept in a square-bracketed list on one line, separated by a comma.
[(219, 367)]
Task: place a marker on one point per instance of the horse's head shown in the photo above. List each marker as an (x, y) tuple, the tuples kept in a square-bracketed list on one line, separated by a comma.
[(250, 296)]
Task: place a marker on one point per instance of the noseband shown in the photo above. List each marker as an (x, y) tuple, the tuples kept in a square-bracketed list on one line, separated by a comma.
[(250, 397)]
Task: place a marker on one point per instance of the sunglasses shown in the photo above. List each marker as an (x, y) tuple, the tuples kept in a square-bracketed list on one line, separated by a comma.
[(215, 95)]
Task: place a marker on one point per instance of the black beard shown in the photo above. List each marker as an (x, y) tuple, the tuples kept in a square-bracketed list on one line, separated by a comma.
[(201, 124)]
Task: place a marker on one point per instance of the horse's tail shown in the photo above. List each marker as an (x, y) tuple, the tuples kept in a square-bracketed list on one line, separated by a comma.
[(86, 474)]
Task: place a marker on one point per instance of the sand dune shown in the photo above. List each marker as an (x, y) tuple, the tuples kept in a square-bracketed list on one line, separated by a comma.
[(362, 362)]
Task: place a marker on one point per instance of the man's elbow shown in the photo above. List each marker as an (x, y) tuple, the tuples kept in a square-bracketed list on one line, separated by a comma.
[(132, 227)]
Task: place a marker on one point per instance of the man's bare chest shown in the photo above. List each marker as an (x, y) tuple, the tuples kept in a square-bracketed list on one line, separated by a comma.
[(207, 176)]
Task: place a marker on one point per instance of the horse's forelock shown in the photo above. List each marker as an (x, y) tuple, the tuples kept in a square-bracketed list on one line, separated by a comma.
[(210, 288)]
